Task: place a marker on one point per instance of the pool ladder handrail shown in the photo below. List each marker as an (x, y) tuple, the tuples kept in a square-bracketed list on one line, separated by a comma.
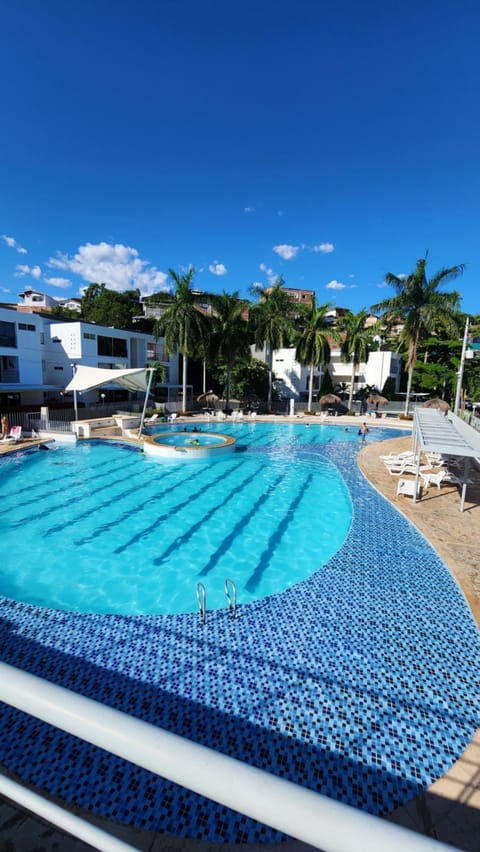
[(201, 593), (231, 593)]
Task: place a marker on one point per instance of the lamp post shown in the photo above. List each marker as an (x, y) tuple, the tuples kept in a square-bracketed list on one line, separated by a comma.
[(460, 370), (103, 400), (75, 407)]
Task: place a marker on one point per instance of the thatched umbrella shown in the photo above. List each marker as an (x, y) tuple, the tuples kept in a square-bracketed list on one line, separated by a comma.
[(330, 399), (377, 399), (436, 403), (209, 397)]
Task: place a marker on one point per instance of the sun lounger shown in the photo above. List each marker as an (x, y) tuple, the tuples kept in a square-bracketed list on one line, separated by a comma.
[(438, 478), (407, 454), (15, 434), (398, 468)]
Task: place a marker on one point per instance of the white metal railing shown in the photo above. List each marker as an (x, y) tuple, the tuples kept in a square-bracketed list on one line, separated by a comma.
[(296, 811), (61, 818)]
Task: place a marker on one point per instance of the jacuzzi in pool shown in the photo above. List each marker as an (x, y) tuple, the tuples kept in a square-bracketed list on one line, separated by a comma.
[(188, 445)]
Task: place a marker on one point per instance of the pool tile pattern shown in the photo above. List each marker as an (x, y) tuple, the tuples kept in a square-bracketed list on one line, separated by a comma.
[(361, 682)]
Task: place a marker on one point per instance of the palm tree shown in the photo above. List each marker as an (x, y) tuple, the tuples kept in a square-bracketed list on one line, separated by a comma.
[(271, 324), (229, 336), (356, 342), (313, 344), (182, 324), (421, 308)]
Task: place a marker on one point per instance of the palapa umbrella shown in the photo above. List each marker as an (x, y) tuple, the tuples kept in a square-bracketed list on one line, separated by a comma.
[(209, 397), (329, 399), (436, 403), (377, 399)]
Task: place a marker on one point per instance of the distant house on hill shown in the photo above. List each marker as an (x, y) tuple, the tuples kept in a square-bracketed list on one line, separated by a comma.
[(35, 301)]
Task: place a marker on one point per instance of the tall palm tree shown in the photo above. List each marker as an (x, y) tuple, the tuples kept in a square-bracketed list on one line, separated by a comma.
[(182, 324), (229, 335), (421, 308), (313, 344), (356, 343), (271, 324)]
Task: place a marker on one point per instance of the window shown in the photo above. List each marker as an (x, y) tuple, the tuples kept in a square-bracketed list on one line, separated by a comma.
[(89, 336), (58, 368), (26, 326), (42, 337), (316, 383), (7, 334), (112, 346), (156, 352)]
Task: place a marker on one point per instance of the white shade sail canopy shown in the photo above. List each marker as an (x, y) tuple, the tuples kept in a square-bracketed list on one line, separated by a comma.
[(447, 434), (88, 378)]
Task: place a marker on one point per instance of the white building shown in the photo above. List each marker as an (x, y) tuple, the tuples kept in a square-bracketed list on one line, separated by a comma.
[(37, 354), (292, 380)]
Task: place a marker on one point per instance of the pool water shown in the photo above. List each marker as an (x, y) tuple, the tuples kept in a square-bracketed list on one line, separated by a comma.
[(103, 528), (186, 439)]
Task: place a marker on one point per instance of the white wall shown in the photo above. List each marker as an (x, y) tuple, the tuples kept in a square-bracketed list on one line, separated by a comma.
[(43, 356), (292, 377)]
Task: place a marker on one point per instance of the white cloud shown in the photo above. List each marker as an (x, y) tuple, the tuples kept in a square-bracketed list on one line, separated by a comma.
[(280, 213), (325, 248), (23, 269), (271, 275), (286, 251), (217, 268), (117, 266), (249, 209), (58, 282), (12, 243), (335, 285)]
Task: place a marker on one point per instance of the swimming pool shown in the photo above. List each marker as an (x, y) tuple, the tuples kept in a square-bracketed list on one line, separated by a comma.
[(114, 531), (360, 682)]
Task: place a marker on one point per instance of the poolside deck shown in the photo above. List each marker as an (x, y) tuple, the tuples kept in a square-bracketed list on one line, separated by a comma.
[(450, 809)]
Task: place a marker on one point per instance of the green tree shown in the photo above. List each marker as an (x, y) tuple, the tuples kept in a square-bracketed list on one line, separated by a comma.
[(250, 381), (62, 313), (339, 388), (271, 324), (313, 343), (421, 308), (182, 324), (355, 346), (107, 307), (388, 389), (229, 334)]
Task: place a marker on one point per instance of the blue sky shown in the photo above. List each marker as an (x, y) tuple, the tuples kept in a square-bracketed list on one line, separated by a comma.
[(328, 142)]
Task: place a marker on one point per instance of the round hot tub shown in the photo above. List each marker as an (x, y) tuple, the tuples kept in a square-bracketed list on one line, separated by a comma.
[(188, 445)]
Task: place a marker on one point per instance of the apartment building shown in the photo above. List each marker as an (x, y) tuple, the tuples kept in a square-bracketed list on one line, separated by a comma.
[(38, 355)]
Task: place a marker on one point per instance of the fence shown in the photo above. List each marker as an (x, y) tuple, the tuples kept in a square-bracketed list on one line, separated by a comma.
[(60, 419)]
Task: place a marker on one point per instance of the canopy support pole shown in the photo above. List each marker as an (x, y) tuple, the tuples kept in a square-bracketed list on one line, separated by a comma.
[(150, 370)]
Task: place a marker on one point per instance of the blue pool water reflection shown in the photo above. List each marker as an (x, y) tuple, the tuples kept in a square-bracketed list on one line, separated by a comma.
[(116, 532)]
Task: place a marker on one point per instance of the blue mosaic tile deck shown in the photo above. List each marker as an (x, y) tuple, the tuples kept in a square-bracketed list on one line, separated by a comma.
[(361, 682)]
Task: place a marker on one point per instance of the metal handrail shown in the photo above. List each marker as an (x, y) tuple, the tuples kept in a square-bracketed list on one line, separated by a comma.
[(296, 811)]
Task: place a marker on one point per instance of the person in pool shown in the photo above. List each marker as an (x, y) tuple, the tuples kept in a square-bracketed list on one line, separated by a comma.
[(363, 432)]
